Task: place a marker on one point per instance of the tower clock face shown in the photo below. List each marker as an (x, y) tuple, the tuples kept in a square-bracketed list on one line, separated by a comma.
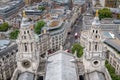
[(96, 63), (26, 64)]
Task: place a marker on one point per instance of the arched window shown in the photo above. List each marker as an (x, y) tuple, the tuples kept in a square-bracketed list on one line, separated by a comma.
[(31, 47), (24, 32), (95, 36), (28, 32), (25, 47), (24, 37), (90, 46), (3, 58), (12, 53), (96, 46), (7, 56), (0, 64), (96, 31)]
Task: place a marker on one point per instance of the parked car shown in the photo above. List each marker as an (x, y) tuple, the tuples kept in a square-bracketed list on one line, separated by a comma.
[(76, 35), (67, 50)]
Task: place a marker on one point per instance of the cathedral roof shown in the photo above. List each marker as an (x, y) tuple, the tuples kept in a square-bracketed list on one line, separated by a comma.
[(114, 43), (96, 76), (26, 76), (61, 66)]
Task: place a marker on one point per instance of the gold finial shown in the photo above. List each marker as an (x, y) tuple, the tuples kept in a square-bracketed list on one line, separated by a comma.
[(44, 31), (24, 15), (37, 6), (61, 47), (32, 27), (97, 13)]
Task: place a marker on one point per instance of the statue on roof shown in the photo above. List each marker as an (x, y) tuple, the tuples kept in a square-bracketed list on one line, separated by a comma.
[(24, 14), (96, 13)]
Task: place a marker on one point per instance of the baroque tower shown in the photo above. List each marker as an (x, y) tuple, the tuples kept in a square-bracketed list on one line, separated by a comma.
[(94, 55), (28, 54)]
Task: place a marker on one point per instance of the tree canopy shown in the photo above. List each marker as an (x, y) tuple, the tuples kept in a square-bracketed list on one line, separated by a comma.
[(112, 71), (4, 27), (105, 13), (14, 34), (38, 27), (118, 16), (41, 8), (77, 47)]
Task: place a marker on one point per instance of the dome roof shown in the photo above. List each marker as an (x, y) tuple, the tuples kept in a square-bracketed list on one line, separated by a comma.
[(25, 22), (96, 21)]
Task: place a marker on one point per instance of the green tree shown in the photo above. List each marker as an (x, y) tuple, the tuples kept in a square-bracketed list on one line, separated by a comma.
[(41, 8), (4, 27), (14, 34), (77, 47), (38, 27), (118, 16), (105, 13), (112, 71)]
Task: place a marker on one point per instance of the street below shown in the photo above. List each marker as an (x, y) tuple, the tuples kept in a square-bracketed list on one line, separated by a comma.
[(76, 28)]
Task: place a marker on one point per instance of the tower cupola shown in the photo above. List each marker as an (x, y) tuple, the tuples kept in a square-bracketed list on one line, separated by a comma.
[(28, 53), (96, 21)]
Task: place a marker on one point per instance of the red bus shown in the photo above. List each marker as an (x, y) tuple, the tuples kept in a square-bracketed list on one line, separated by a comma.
[(76, 35)]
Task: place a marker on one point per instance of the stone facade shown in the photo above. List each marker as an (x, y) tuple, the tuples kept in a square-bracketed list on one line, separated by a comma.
[(57, 34), (27, 46), (8, 62), (94, 53), (94, 56), (113, 58), (58, 39), (44, 43)]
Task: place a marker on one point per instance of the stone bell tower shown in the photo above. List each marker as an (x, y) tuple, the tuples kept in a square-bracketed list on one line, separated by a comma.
[(28, 54), (94, 54)]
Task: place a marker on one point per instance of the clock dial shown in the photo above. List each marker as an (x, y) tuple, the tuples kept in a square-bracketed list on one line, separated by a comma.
[(26, 63)]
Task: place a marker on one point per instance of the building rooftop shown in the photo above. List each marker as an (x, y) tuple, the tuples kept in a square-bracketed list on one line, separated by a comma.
[(61, 66), (96, 76), (115, 10), (88, 19), (114, 43), (107, 21), (4, 1), (8, 48), (33, 12), (4, 44), (8, 5), (116, 21), (54, 23), (26, 76), (80, 2), (107, 34), (3, 7), (61, 1)]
